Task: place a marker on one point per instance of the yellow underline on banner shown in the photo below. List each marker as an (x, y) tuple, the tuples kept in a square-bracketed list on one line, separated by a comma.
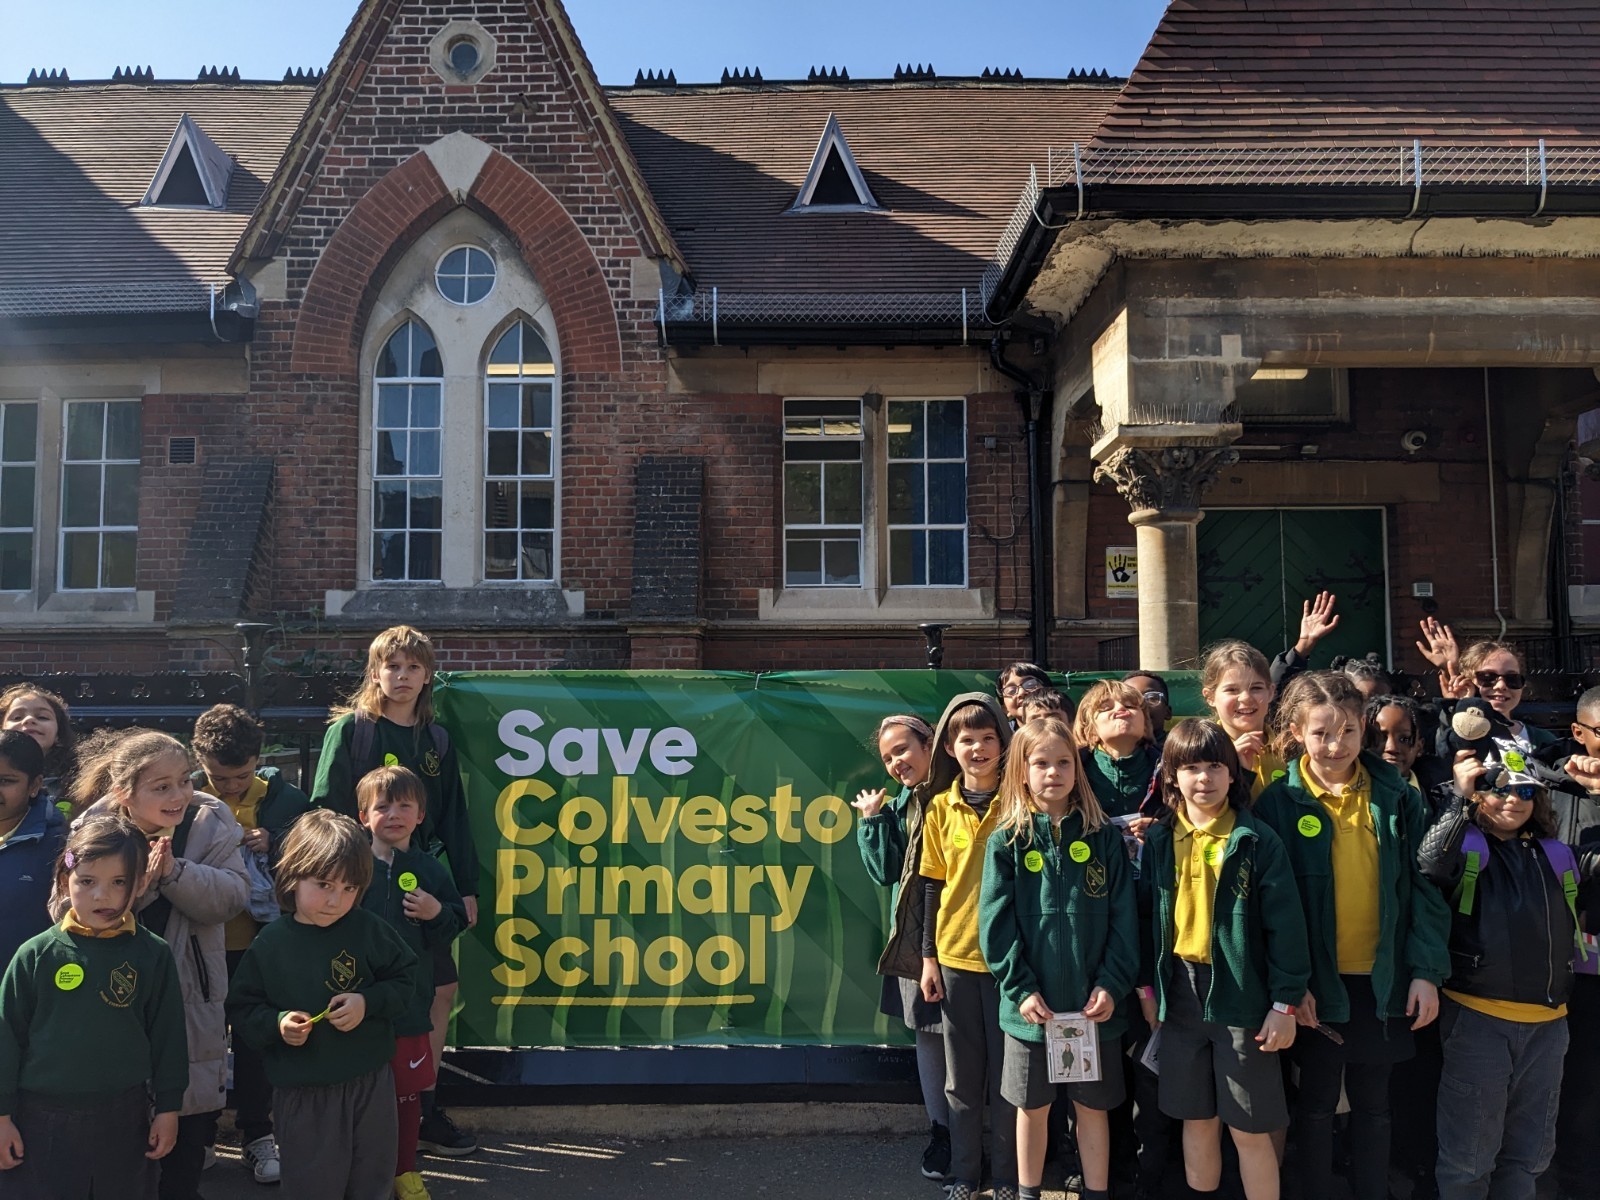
[(623, 1001)]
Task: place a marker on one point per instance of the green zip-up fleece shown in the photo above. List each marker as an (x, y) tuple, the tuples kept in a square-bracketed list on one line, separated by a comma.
[(410, 870), (1258, 934), (85, 1016), (1413, 919), (881, 838), (1059, 920), (296, 967), (1120, 784), (444, 824)]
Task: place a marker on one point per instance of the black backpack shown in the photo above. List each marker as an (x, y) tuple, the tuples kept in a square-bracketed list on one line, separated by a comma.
[(363, 752)]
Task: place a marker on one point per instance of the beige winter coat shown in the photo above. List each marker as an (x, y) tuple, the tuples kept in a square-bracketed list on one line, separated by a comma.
[(207, 887)]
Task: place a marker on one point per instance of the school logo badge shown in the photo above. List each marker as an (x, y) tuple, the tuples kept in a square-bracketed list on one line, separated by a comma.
[(1094, 879), (1241, 882), (342, 972), (123, 983), (430, 764)]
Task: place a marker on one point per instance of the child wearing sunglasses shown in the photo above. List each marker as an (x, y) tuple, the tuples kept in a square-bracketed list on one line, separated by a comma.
[(1512, 887), (1491, 670)]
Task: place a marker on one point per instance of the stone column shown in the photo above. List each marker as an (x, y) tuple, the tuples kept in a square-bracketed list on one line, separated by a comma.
[(1163, 485)]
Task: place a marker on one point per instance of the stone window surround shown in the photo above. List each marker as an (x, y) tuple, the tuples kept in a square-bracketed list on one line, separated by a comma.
[(876, 602), (465, 335)]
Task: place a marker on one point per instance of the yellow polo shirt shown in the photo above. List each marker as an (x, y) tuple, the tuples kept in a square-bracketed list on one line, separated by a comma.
[(240, 931), (1197, 852), (953, 844), (1355, 869)]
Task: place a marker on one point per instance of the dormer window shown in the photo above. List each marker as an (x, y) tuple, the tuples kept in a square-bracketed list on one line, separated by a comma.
[(834, 183), (194, 172)]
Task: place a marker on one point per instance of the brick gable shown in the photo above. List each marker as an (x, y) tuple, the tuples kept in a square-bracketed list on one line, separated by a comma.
[(353, 196)]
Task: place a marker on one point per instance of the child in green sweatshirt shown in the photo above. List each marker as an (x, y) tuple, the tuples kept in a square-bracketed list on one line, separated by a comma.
[(318, 993), (91, 1023), (413, 892)]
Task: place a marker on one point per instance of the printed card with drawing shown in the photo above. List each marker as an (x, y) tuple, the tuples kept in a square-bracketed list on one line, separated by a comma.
[(1072, 1048)]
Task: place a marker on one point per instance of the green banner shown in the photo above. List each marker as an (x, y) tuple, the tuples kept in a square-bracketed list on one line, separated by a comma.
[(670, 857)]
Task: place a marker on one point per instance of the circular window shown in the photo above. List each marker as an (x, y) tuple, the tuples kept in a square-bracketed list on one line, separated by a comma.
[(464, 55), (465, 275)]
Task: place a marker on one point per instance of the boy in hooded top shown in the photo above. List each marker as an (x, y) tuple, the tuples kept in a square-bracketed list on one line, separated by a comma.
[(970, 743)]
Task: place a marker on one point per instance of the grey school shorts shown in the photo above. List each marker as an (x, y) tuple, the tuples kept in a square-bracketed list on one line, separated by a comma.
[(1213, 1070), (1025, 1077)]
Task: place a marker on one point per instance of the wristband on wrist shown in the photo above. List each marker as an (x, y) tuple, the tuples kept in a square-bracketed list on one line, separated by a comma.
[(1147, 993), (1280, 1007)]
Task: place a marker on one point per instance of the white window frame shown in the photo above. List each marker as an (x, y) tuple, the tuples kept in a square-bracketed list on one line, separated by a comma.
[(466, 278), (409, 477), (9, 464), (491, 379), (799, 443), (926, 526), (100, 528)]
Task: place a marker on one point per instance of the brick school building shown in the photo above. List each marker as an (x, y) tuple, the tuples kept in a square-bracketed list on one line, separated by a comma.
[(754, 373)]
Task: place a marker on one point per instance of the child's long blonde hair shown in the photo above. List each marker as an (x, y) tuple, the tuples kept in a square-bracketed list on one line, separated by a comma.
[(110, 762), (1105, 695), (1016, 802), (402, 641)]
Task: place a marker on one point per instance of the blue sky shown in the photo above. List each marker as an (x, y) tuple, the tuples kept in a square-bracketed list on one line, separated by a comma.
[(696, 38)]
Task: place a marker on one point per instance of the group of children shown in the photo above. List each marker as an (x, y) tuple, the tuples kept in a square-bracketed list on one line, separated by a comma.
[(1275, 890), (152, 907)]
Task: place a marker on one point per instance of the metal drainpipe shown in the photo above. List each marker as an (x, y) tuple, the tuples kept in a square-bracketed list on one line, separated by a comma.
[(1032, 398)]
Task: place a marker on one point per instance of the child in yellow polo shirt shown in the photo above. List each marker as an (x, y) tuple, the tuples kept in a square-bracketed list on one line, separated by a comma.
[(970, 743), (1375, 927)]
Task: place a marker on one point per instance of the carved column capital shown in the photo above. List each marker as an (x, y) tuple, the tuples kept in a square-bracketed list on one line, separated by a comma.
[(1164, 478)]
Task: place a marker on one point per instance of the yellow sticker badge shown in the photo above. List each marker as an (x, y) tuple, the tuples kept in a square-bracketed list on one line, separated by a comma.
[(1309, 826), (390, 760), (68, 976), (1515, 761), (1034, 861), (1078, 852), (1213, 853), (408, 882), (961, 839)]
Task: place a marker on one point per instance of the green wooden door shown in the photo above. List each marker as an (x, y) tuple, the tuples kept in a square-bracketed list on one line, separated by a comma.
[(1258, 565)]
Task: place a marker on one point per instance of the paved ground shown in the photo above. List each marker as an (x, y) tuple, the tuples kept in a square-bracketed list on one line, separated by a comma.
[(773, 1168)]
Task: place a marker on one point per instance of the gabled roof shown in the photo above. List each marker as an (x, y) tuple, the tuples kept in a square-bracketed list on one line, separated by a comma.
[(945, 162), (191, 153), (1249, 71), (75, 164), (366, 32), (834, 169)]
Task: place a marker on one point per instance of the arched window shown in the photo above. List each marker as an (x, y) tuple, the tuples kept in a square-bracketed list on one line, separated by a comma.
[(407, 468), (519, 500)]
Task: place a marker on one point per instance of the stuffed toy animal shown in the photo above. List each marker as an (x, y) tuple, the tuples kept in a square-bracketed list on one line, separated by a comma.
[(1476, 726)]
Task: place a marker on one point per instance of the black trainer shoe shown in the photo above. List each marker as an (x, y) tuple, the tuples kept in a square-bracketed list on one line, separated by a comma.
[(936, 1158), (439, 1136)]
